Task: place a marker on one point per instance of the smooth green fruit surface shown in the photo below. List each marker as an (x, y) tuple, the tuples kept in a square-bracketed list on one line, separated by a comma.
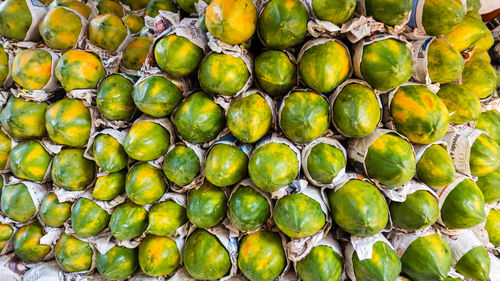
[(248, 209), (298, 216), (359, 208), (205, 258), (206, 206), (261, 255)]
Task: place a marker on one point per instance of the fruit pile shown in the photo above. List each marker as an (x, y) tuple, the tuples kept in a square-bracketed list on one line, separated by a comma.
[(248, 140)]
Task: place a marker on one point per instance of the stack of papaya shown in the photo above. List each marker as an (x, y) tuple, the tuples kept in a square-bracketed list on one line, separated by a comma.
[(248, 140)]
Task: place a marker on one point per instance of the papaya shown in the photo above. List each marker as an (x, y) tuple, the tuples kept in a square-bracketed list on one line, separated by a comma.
[(488, 122), (261, 255), (88, 218), (298, 216), (441, 16), (390, 160), (325, 162), (5, 147), (109, 7), (492, 226), (385, 64), (480, 77), (181, 165), (475, 264), (197, 125), (419, 114), (188, 5), (27, 243), (73, 254), (15, 19), (473, 6), (54, 213), (389, 12), (206, 206), (134, 55), (6, 232), (322, 263), (283, 23), (205, 258), (4, 66), (75, 5), (71, 170), (273, 166), (275, 73), (444, 62), (177, 56), (135, 5), (222, 74), (29, 160), (248, 209), (68, 122), (32, 68), (249, 118), (419, 210), (462, 104), (107, 32), (24, 119), (154, 6), (356, 111), (109, 153), (464, 206), (484, 156), (225, 164), (128, 221), (359, 208), (165, 218), (108, 187), (16, 202), (158, 255), (233, 22), (117, 263), (489, 186), (114, 97), (435, 167), (77, 69), (304, 116), (427, 258), (471, 32), (134, 23), (325, 66), (157, 96), (481, 56), (144, 184), (61, 28), (146, 141), (383, 265), (336, 12)]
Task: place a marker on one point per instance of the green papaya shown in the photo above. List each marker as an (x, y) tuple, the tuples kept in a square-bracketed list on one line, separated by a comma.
[(261, 255), (463, 207), (359, 208), (117, 263), (128, 221), (419, 210), (145, 184), (427, 258), (248, 209), (298, 215), (165, 218), (205, 258), (88, 218), (158, 255), (206, 206)]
